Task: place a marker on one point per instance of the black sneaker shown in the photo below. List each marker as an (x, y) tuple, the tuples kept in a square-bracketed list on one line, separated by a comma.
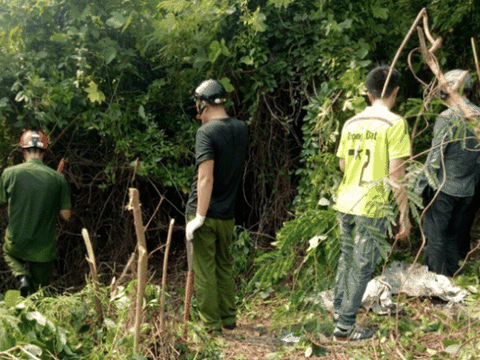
[(214, 332), (24, 285), (230, 326), (355, 333)]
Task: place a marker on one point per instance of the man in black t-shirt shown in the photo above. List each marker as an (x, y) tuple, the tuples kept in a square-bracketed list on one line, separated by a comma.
[(220, 146)]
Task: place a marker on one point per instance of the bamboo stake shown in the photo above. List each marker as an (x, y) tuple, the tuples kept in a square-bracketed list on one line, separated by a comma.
[(474, 47), (134, 205), (93, 269), (164, 277)]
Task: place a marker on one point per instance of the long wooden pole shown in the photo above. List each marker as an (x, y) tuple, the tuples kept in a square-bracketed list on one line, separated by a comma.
[(164, 276), (188, 289), (134, 205), (475, 57)]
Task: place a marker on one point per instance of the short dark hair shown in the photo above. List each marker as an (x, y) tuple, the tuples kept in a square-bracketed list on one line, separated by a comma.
[(33, 150), (376, 80)]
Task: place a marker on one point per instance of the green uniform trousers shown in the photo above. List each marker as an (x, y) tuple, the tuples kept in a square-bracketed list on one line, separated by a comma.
[(212, 264), (39, 272)]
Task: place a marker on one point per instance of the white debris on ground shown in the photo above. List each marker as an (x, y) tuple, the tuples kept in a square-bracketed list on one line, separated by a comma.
[(403, 278), (400, 277)]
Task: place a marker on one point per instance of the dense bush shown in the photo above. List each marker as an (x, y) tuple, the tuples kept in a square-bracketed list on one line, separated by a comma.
[(111, 83)]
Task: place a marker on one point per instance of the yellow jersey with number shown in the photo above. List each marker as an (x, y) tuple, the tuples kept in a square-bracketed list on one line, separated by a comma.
[(369, 141)]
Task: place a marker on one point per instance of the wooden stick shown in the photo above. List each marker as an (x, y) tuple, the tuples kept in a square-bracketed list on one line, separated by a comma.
[(115, 284), (188, 288), (421, 14), (164, 277), (474, 47), (188, 302), (453, 96), (61, 164), (134, 205), (93, 269)]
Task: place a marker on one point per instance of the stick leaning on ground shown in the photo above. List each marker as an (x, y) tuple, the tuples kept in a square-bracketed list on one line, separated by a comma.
[(188, 288)]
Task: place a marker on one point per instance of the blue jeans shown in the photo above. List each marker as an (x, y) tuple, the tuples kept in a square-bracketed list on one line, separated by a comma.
[(361, 241)]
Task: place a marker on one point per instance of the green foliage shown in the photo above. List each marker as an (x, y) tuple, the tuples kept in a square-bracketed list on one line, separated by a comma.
[(29, 331), (243, 252), (338, 93), (306, 247), (119, 73), (65, 327)]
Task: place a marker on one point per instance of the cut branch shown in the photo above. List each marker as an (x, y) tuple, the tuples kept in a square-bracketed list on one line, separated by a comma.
[(164, 277), (134, 205), (453, 95), (93, 270)]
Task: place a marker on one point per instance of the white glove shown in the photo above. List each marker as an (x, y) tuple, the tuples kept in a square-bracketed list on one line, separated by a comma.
[(193, 225)]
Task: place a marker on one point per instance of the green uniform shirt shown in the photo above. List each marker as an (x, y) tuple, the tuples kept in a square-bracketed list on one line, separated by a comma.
[(34, 194), (369, 141)]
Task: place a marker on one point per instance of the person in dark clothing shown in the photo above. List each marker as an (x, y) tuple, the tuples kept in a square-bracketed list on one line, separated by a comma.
[(35, 195), (220, 147), (450, 170), (465, 228)]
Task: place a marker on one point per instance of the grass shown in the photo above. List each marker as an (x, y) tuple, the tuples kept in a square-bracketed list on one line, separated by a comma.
[(63, 326)]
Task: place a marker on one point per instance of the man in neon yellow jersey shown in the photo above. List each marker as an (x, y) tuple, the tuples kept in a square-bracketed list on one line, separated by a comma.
[(373, 146)]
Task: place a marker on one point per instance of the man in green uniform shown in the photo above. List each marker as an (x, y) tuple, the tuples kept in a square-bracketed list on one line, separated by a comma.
[(220, 146), (373, 146), (35, 195)]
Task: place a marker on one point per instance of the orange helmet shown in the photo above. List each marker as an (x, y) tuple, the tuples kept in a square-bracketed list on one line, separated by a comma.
[(34, 139)]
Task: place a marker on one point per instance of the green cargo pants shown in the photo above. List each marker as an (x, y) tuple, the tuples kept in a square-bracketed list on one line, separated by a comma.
[(40, 273), (212, 264)]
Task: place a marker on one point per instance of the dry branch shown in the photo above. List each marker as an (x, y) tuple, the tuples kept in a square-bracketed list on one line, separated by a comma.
[(134, 205), (164, 277), (420, 15), (115, 283), (454, 98), (61, 164), (475, 57), (93, 269)]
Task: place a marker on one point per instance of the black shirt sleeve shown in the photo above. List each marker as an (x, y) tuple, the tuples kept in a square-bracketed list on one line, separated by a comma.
[(204, 149)]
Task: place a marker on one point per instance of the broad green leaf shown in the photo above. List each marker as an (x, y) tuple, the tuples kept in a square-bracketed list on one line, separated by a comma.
[(258, 20), (215, 51), (227, 84), (379, 12), (33, 349), (139, 357), (362, 53), (117, 20), (128, 22), (225, 50), (11, 298), (39, 318), (141, 111), (281, 3), (94, 94), (108, 52), (61, 339)]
